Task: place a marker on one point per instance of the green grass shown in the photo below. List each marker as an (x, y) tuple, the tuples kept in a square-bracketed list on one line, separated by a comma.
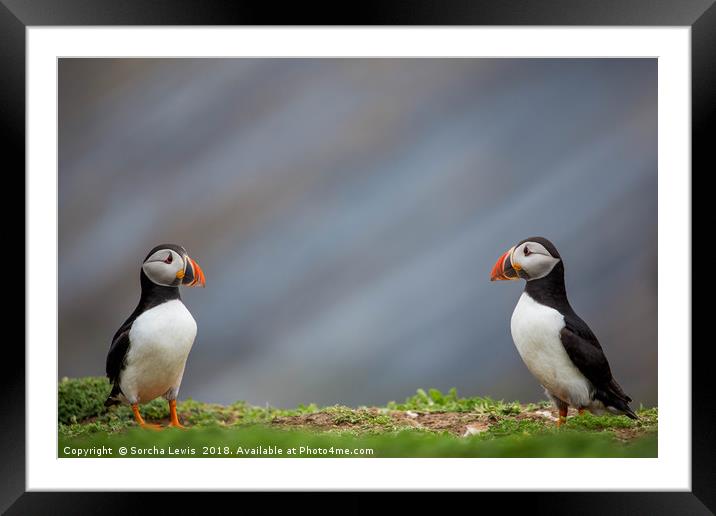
[(435, 401), (428, 424), (223, 442), (361, 417), (81, 398)]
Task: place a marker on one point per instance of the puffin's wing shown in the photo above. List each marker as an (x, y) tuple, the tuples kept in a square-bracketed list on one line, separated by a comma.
[(586, 353), (117, 352)]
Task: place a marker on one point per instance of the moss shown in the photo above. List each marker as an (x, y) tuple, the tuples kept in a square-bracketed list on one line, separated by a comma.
[(542, 405), (648, 418), (344, 415), (82, 405), (511, 429), (81, 398), (401, 444), (246, 414), (436, 401), (588, 421)]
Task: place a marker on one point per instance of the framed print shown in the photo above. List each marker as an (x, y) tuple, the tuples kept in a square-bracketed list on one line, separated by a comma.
[(435, 250)]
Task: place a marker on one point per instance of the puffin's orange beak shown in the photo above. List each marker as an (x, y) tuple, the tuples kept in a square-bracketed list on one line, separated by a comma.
[(503, 269), (193, 276)]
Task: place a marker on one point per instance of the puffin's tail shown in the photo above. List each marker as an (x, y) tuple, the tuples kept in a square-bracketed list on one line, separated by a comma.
[(624, 409), (112, 398), (616, 398)]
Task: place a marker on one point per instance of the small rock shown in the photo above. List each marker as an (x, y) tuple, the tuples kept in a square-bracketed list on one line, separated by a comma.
[(546, 414), (411, 414), (473, 430)]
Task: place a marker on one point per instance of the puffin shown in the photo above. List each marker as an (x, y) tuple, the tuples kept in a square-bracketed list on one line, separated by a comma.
[(148, 352), (556, 345)]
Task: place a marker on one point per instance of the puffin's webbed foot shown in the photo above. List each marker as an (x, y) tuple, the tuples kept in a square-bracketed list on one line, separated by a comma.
[(140, 420), (173, 415), (562, 416)]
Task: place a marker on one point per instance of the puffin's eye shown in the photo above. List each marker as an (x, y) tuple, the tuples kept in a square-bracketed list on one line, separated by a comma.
[(527, 251), (169, 258)]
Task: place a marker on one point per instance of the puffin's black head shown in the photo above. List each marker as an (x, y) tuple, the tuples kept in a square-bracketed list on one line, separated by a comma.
[(532, 258), (169, 265)]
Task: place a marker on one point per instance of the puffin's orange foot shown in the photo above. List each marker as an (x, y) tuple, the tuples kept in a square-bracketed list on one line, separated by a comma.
[(174, 418), (140, 420), (562, 417), (580, 411)]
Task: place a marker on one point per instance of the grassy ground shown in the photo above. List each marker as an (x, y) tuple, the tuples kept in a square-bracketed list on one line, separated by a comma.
[(428, 424)]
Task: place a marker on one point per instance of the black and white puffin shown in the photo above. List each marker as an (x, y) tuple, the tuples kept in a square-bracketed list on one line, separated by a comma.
[(555, 344), (149, 351)]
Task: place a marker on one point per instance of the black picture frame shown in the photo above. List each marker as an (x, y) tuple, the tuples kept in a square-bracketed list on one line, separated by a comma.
[(17, 15)]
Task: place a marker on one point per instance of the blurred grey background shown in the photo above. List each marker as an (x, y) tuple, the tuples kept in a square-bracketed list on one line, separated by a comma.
[(347, 214)]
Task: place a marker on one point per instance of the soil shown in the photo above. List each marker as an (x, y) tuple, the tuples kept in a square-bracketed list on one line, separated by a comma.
[(460, 424), (457, 423)]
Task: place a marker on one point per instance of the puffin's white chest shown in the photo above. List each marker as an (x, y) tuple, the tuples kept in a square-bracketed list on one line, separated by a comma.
[(160, 341), (535, 331)]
